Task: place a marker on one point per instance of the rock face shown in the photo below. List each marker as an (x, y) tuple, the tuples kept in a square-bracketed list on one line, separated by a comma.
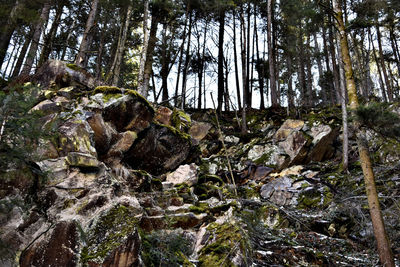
[(162, 149), (122, 186), (59, 247)]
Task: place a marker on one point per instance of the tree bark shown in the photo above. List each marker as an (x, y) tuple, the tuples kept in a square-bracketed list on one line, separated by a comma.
[(383, 66), (35, 39), (274, 97), (116, 69), (187, 60), (243, 58), (221, 87), (320, 70), (82, 56), (164, 65), (8, 30), (384, 249), (260, 68), (336, 79), (235, 59), (148, 66), (48, 40), (145, 44), (383, 90)]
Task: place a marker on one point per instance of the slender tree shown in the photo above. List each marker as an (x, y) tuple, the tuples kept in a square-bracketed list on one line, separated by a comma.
[(384, 249)]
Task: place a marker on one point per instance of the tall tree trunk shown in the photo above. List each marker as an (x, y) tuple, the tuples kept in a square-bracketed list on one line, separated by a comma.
[(221, 87), (145, 44), (309, 80), (290, 95), (384, 250), (249, 92), (243, 57), (320, 70), (187, 61), (394, 48), (8, 30), (383, 66), (164, 64), (148, 66), (202, 64), (336, 79), (44, 16), (301, 68), (235, 59), (22, 54), (119, 54), (67, 40), (15, 46), (345, 144), (260, 67), (99, 69), (383, 90), (274, 97), (48, 40), (82, 56)]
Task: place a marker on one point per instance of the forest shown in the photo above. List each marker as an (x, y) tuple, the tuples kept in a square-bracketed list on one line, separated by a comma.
[(249, 53), (141, 64)]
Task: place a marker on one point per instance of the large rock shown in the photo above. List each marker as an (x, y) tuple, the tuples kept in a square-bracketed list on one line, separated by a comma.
[(58, 247), (199, 130), (83, 161), (163, 115), (76, 136), (287, 128), (269, 155), (323, 137), (160, 149), (104, 134), (56, 73), (130, 112), (296, 146)]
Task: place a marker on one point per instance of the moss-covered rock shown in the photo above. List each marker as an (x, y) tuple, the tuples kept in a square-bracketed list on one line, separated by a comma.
[(111, 231)]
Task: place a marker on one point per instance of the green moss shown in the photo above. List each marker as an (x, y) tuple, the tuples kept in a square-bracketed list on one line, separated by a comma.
[(210, 178), (175, 131), (75, 67), (225, 239), (264, 158), (180, 120), (109, 232), (201, 207)]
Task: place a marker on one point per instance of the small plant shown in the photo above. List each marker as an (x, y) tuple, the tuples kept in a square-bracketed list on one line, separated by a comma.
[(162, 248)]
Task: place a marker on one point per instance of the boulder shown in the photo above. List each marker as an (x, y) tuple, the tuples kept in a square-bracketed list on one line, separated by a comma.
[(287, 128), (104, 134), (47, 107), (184, 174), (57, 169), (83, 161), (56, 73), (58, 247), (199, 130), (323, 138), (268, 154), (296, 146), (129, 112), (122, 145), (158, 150), (76, 136), (163, 115)]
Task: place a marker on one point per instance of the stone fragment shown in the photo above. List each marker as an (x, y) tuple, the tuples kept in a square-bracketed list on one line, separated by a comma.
[(199, 130), (58, 247), (104, 134), (163, 115), (84, 161), (288, 127), (184, 174)]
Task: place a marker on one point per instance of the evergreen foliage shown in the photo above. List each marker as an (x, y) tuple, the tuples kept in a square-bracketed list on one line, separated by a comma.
[(378, 117), (21, 128)]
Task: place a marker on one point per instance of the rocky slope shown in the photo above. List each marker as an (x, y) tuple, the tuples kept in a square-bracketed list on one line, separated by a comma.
[(132, 184)]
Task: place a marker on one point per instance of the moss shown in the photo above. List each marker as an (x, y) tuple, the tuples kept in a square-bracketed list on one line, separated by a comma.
[(109, 233), (210, 178), (75, 67), (175, 131), (180, 120), (225, 240), (201, 207), (264, 158)]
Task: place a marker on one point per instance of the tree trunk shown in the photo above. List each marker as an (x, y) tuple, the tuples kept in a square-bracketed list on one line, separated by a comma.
[(394, 48), (274, 97), (290, 87), (115, 71), (44, 16), (8, 30), (145, 44), (345, 152), (99, 69), (243, 58), (309, 80), (235, 59), (82, 56), (22, 54), (260, 68), (164, 64), (69, 36), (221, 87), (48, 40), (384, 250), (249, 92), (383, 66), (336, 79), (383, 90), (148, 66), (320, 70), (202, 64), (186, 65)]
